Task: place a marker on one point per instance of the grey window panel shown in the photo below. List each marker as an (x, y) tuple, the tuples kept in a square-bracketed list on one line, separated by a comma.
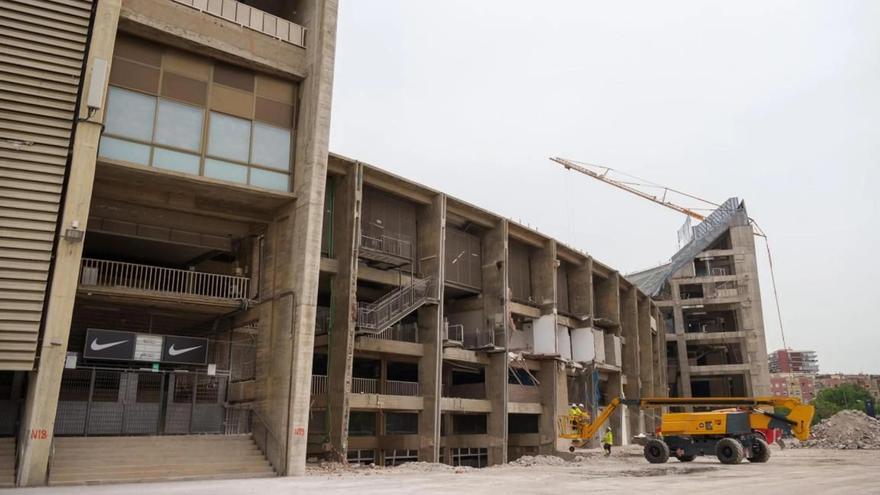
[(229, 137), (175, 160), (270, 180), (271, 146), (225, 171), (118, 149), (130, 114), (179, 125)]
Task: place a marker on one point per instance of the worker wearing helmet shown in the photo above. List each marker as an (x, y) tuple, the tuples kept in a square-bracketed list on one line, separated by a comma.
[(575, 414), (607, 440), (585, 415)]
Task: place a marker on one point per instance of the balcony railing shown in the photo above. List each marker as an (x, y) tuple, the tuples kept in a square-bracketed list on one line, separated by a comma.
[(364, 385), (251, 18), (387, 245), (395, 387), (319, 384), (172, 281), (454, 333), (400, 333)]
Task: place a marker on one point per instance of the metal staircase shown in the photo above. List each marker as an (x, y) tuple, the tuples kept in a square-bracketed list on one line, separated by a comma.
[(376, 317)]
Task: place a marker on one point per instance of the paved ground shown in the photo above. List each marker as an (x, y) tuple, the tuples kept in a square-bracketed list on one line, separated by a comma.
[(797, 472)]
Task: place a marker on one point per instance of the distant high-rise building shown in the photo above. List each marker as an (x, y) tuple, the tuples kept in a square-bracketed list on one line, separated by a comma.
[(790, 361)]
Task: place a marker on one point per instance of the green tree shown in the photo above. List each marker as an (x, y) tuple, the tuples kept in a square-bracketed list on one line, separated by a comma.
[(833, 400)]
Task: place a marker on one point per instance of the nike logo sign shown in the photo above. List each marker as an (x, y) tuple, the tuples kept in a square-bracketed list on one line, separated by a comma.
[(176, 352), (100, 347)]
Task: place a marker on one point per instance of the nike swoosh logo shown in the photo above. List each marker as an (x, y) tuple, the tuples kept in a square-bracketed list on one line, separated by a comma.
[(100, 347), (176, 352)]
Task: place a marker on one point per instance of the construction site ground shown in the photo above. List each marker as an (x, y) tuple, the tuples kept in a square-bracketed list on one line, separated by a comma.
[(789, 471)]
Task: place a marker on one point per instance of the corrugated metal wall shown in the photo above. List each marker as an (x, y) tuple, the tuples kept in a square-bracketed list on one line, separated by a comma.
[(386, 215), (464, 260), (42, 46)]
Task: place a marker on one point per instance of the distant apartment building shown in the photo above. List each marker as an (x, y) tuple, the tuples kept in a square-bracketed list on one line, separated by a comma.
[(871, 383), (791, 361), (710, 298), (800, 385)]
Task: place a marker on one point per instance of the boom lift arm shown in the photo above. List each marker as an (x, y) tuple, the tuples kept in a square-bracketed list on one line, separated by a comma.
[(788, 412)]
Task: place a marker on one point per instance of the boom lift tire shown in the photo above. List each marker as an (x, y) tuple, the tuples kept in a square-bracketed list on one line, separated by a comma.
[(685, 458), (656, 451), (760, 451), (729, 451)]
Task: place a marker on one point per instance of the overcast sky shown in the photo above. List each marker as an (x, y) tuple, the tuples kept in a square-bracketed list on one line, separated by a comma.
[(776, 102)]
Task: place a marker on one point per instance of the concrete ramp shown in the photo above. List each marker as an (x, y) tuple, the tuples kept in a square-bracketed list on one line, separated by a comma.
[(7, 462), (92, 460)]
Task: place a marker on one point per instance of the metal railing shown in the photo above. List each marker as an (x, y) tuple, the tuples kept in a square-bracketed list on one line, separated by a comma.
[(364, 385), (387, 245), (396, 387), (118, 274), (400, 332), (251, 18), (319, 384), (391, 308), (454, 333), (322, 320)]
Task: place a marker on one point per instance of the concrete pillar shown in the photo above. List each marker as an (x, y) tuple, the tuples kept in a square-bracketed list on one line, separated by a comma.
[(38, 423), (310, 173), (543, 269), (496, 316), (615, 388), (554, 403), (432, 249), (580, 289), (684, 368), (646, 359), (346, 232), (631, 350)]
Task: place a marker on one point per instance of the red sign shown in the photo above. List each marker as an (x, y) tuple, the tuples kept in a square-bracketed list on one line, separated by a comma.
[(39, 434), (299, 431)]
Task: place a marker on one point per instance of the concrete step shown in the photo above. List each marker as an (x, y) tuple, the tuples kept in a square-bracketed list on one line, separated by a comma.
[(142, 479), (90, 460)]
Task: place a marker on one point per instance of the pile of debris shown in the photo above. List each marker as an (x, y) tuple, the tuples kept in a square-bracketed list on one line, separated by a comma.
[(539, 460), (846, 430)]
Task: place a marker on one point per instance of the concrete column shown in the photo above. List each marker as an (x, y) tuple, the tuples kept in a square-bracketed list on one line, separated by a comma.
[(496, 316), (346, 232), (684, 369), (646, 359), (543, 270), (554, 403), (615, 388), (37, 426), (432, 249), (580, 289), (631, 350), (310, 173)]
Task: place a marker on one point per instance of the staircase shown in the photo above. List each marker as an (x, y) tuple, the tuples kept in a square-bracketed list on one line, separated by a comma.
[(7, 462), (376, 317), (92, 460)]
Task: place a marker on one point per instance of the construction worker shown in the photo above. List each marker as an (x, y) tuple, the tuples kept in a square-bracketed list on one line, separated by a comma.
[(585, 415), (575, 414), (607, 440)]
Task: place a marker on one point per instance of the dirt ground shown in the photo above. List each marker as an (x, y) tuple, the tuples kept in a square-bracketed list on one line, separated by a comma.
[(790, 471)]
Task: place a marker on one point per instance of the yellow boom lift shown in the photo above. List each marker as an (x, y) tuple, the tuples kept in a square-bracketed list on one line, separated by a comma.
[(731, 434)]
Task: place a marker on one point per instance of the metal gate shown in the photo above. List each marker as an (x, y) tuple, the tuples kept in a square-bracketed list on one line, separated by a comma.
[(114, 402)]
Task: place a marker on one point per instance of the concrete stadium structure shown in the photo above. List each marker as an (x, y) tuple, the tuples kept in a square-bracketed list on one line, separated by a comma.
[(191, 286)]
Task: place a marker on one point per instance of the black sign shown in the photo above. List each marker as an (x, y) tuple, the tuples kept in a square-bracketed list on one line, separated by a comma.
[(185, 350), (109, 344)]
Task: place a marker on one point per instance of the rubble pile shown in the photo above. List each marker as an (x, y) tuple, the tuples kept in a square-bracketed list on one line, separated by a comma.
[(539, 460), (846, 430)]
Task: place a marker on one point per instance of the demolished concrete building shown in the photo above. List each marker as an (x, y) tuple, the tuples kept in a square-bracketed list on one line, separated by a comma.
[(182, 297), (711, 303)]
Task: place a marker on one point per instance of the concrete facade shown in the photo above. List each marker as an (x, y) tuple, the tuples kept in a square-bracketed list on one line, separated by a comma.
[(481, 370), (710, 298), (342, 312)]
